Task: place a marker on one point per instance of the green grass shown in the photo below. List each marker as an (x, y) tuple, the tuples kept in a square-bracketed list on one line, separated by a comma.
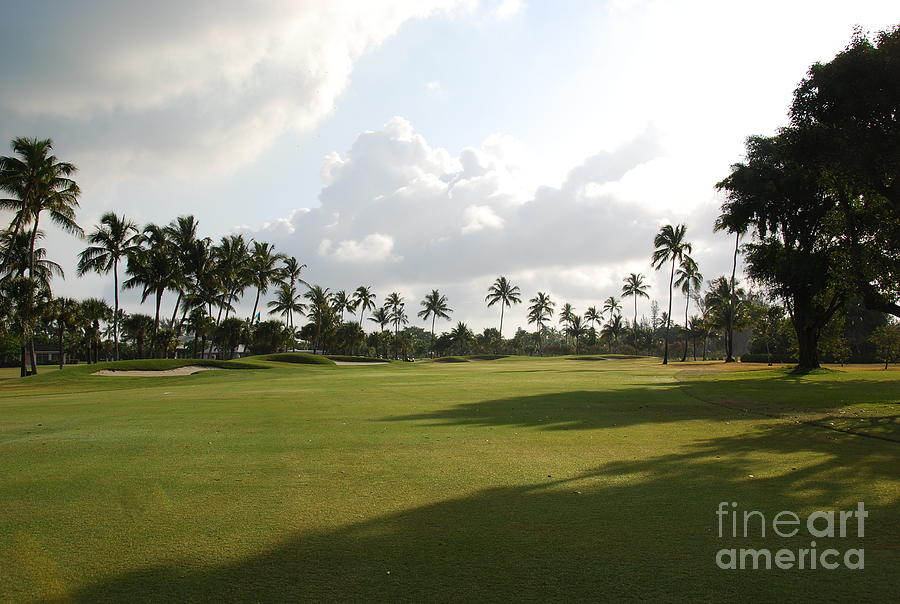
[(451, 360), (302, 358), (521, 480)]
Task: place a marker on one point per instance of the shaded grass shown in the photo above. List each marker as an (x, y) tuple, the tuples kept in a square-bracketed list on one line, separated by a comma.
[(346, 358), (526, 480), (303, 358), (450, 360)]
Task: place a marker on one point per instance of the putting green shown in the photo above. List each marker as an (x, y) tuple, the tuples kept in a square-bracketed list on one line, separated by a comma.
[(509, 479)]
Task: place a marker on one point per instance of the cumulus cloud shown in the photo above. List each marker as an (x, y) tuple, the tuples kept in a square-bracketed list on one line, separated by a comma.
[(185, 88), (403, 215)]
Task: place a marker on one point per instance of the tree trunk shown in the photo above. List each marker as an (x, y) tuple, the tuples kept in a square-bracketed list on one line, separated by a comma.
[(807, 342), (61, 334), (501, 321), (687, 304), (255, 304), (175, 310), (116, 311), (433, 317), (729, 344), (668, 316)]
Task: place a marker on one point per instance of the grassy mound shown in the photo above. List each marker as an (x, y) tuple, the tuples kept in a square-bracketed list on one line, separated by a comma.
[(347, 358), (302, 358), (587, 358), (166, 364), (451, 360), (486, 357)]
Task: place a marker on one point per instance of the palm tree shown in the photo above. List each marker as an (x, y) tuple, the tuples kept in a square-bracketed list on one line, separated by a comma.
[(732, 224), (363, 299), (290, 275), (181, 234), (611, 305), (670, 247), (541, 310), (434, 305), (152, 268), (263, 268), (15, 247), (286, 303), (504, 292), (137, 328), (724, 308), (341, 302), (319, 309), (575, 329), (613, 329), (65, 311), (394, 305), (38, 183), (113, 239), (233, 257), (94, 310), (635, 287), (461, 337), (689, 280), (381, 316), (592, 316), (566, 316)]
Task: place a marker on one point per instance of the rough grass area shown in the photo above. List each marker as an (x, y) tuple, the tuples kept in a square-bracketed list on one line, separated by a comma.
[(594, 357), (486, 357), (346, 358), (303, 358), (165, 364), (526, 480), (451, 360)]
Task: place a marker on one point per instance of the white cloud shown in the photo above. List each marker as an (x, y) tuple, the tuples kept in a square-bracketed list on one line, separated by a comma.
[(434, 87), (507, 8), (375, 247), (477, 218), (187, 89)]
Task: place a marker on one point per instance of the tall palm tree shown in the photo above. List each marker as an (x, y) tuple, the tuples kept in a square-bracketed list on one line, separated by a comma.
[(612, 306), (113, 239), (181, 234), (541, 310), (689, 280), (290, 274), (506, 294), (592, 316), (342, 301), (38, 183), (566, 316), (671, 247), (152, 268), (394, 305), (263, 268), (636, 288), (434, 305), (233, 257), (364, 299), (15, 247), (732, 224)]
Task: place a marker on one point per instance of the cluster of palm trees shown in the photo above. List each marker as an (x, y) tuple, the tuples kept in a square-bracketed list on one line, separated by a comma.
[(209, 279)]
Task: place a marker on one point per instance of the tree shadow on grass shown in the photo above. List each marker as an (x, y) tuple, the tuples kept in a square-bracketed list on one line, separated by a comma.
[(576, 410), (629, 530)]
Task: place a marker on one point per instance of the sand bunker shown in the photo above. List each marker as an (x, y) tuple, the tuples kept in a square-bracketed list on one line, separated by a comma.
[(187, 370)]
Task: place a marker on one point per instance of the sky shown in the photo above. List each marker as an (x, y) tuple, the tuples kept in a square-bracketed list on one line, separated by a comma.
[(413, 145)]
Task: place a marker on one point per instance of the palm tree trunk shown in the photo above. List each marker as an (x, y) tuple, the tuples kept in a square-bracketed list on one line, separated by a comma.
[(255, 304), (175, 310), (60, 345), (669, 316), (501, 322), (730, 343), (433, 317), (687, 303), (116, 311)]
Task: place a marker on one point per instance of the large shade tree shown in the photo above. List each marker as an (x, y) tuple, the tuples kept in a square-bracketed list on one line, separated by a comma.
[(779, 195)]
